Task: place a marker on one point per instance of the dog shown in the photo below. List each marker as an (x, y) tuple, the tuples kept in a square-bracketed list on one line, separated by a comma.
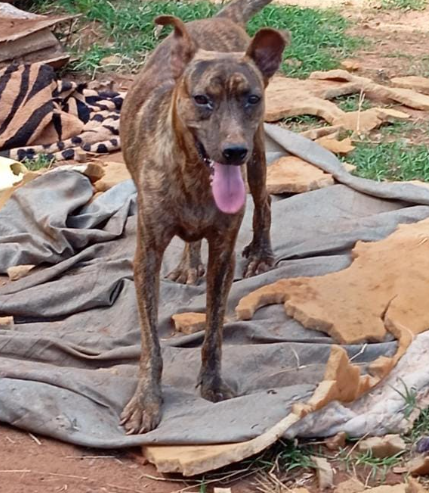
[(191, 129)]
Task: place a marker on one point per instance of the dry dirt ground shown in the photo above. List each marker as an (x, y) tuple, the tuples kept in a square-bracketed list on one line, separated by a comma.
[(30, 464), (398, 46), (398, 39)]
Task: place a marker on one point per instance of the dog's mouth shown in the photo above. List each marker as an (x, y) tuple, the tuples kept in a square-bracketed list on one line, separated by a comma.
[(227, 183)]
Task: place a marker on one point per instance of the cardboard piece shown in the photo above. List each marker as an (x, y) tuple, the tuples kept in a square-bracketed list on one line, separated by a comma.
[(26, 37), (378, 293), (286, 97), (372, 90), (19, 271), (6, 323), (114, 173), (293, 175), (419, 84), (193, 460), (336, 146), (189, 323)]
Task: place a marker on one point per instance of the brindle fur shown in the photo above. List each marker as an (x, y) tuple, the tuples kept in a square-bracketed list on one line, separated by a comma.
[(161, 131)]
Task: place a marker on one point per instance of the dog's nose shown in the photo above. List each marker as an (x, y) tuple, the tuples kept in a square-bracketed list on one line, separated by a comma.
[(234, 154)]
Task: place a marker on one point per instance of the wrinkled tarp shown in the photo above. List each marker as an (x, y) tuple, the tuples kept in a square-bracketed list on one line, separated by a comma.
[(70, 365)]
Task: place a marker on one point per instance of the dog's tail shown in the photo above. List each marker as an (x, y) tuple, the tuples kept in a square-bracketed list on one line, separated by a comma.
[(241, 11)]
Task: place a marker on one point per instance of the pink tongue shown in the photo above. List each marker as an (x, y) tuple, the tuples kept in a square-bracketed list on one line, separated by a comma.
[(228, 188)]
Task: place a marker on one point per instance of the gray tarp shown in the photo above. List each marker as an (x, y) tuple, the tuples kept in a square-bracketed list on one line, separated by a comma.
[(69, 366)]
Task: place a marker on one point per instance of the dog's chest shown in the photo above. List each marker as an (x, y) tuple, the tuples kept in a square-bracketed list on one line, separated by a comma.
[(193, 221)]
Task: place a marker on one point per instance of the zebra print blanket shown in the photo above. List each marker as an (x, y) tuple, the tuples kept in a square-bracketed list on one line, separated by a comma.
[(41, 115)]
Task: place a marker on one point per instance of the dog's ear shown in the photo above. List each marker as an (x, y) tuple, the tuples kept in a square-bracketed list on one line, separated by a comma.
[(183, 47), (266, 50)]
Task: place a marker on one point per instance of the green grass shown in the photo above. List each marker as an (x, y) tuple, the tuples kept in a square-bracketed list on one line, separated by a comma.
[(303, 122), (404, 4), (397, 128), (352, 102), (397, 160), (416, 64), (421, 427), (39, 162), (379, 467), (410, 399), (287, 455), (294, 456), (319, 40)]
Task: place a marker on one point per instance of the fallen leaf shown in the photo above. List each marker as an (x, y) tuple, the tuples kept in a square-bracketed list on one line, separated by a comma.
[(350, 65), (111, 60), (336, 442), (382, 447), (419, 466), (350, 486), (324, 472)]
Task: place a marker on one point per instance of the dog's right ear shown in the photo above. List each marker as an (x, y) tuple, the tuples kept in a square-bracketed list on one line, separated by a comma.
[(183, 47)]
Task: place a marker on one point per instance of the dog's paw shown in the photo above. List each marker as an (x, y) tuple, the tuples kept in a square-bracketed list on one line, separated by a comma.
[(184, 274), (258, 260), (216, 390), (142, 414)]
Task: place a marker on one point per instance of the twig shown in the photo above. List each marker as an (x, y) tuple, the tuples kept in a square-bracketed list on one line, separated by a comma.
[(14, 470), (124, 488), (355, 446), (298, 362), (368, 479), (186, 488), (161, 478), (288, 370), (268, 484), (35, 439), (244, 473), (361, 351), (66, 475), (361, 100)]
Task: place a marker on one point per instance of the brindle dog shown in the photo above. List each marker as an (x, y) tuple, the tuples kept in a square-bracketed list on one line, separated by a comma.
[(191, 121)]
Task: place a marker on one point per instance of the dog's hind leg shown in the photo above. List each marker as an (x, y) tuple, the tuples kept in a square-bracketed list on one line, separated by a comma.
[(220, 273), (259, 252), (143, 412), (190, 269)]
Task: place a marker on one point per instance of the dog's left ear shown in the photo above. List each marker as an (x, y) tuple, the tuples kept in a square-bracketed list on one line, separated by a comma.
[(183, 47), (266, 50)]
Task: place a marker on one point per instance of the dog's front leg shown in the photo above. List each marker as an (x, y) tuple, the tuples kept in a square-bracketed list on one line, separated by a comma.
[(143, 412), (220, 273), (259, 252)]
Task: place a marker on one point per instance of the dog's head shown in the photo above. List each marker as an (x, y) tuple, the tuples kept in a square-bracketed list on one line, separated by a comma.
[(220, 99)]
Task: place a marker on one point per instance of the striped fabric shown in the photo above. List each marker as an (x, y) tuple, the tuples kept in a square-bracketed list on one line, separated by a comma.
[(40, 115)]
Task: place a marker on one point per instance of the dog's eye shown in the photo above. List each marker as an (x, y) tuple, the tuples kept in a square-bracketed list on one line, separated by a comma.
[(253, 99), (201, 100)]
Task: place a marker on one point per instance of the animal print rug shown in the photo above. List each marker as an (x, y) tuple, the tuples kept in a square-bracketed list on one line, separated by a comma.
[(42, 115)]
